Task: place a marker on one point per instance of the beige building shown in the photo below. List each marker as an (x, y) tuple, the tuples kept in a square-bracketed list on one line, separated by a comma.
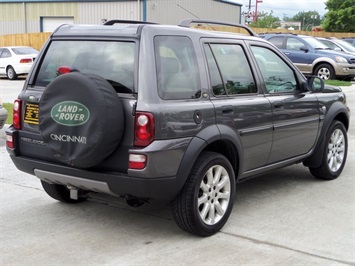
[(30, 16)]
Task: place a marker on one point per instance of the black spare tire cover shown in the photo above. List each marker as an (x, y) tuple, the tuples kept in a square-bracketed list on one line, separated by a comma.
[(80, 119)]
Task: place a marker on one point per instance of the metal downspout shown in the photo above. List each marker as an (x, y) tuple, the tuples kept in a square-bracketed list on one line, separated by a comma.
[(144, 10)]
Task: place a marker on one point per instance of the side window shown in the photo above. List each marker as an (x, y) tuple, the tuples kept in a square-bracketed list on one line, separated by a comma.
[(277, 41), (330, 44), (177, 70), (277, 75), (234, 67), (293, 44), (5, 53), (215, 75)]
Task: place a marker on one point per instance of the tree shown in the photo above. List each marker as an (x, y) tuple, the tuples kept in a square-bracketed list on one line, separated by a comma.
[(308, 19), (340, 17), (266, 20)]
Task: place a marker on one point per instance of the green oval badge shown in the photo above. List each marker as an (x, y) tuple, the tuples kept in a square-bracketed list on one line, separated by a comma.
[(70, 113)]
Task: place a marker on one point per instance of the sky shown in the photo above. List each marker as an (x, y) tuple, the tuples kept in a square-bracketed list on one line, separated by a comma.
[(286, 8)]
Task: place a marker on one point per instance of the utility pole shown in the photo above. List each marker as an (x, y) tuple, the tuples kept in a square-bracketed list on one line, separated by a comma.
[(256, 9)]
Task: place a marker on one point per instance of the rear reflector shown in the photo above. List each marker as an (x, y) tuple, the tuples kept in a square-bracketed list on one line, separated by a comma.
[(137, 161), (10, 141)]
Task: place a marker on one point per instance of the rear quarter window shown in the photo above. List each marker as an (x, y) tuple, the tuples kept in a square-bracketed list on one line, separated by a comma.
[(177, 69)]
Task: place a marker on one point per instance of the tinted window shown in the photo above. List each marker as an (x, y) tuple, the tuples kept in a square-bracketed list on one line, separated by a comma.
[(215, 76), (177, 70), (114, 61), (277, 75), (234, 67), (277, 41)]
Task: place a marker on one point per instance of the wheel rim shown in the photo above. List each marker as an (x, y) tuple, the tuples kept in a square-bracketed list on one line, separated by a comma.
[(324, 73), (10, 73), (336, 150), (214, 195)]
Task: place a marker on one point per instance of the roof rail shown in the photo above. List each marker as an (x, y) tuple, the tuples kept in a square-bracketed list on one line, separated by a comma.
[(122, 21), (187, 22)]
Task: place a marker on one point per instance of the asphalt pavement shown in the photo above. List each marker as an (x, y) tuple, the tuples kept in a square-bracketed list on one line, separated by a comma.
[(286, 217)]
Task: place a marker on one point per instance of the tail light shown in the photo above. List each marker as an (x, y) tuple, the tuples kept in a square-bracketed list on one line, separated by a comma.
[(144, 129), (26, 60), (17, 114)]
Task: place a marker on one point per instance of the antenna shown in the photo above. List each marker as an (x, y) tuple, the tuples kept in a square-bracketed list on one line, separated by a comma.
[(187, 11)]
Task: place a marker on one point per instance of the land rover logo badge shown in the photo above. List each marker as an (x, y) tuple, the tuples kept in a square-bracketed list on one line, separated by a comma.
[(70, 113)]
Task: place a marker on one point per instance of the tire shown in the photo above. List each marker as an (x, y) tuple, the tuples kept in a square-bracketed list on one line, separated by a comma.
[(60, 193), (11, 73), (80, 119), (208, 217), (325, 71), (335, 153)]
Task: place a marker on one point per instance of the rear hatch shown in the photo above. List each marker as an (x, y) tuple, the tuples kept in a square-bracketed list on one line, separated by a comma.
[(80, 86)]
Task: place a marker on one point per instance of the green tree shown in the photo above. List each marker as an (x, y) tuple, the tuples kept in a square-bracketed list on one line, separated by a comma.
[(340, 17), (308, 19), (266, 20)]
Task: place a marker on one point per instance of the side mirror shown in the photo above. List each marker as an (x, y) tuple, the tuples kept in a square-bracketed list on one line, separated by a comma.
[(315, 84), (304, 48), (337, 49)]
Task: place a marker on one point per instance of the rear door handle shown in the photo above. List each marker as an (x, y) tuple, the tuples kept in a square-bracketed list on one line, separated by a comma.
[(278, 104), (227, 109)]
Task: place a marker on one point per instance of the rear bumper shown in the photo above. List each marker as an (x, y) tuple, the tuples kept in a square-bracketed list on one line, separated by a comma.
[(117, 184), (22, 68)]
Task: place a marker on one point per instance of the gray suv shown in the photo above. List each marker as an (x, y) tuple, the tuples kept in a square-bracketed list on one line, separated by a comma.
[(146, 111)]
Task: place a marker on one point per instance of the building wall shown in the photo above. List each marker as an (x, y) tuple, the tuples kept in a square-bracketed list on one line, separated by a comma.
[(18, 18), (26, 17), (173, 11)]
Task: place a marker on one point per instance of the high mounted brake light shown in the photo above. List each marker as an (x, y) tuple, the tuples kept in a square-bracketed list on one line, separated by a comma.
[(64, 70)]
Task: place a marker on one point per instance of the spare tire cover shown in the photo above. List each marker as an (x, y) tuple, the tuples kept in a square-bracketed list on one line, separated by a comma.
[(81, 119)]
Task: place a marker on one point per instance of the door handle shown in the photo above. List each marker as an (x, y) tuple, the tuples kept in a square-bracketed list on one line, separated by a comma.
[(278, 104), (227, 109)]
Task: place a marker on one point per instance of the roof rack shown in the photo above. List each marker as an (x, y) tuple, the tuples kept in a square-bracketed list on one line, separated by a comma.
[(122, 21), (187, 23)]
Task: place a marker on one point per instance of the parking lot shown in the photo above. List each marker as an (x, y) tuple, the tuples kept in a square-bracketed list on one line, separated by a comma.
[(285, 217)]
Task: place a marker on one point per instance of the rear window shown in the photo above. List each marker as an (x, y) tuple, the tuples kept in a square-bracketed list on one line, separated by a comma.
[(114, 61), (24, 50)]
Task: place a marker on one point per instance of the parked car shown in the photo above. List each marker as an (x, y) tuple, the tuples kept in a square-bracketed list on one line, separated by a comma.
[(338, 45), (350, 40), (16, 60), (3, 116), (147, 111), (313, 57)]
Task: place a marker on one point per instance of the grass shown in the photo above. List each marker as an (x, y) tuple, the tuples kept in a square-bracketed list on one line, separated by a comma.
[(9, 108), (337, 82)]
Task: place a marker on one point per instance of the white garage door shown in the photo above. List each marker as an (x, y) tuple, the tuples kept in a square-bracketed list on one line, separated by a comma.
[(49, 24)]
